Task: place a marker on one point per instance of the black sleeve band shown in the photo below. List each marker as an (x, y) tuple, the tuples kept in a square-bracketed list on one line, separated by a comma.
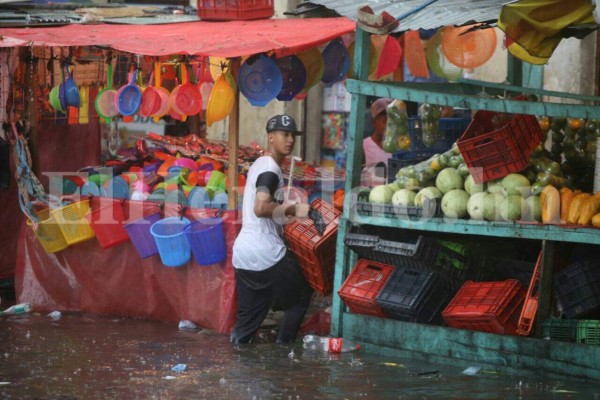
[(267, 182)]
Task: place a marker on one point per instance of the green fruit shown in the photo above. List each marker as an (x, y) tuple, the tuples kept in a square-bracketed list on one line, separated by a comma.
[(471, 187), (515, 184), (454, 203), (381, 194), (475, 205), (443, 160), (448, 179), (533, 210), (537, 187), (491, 206), (454, 161), (430, 193), (494, 186), (512, 208), (404, 197)]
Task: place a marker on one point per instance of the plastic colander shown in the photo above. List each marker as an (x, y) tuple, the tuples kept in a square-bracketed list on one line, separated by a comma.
[(185, 98), (260, 80), (468, 49), (150, 99), (293, 75), (105, 100), (129, 97)]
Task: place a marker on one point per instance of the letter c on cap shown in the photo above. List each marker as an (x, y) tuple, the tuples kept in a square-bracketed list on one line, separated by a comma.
[(285, 120)]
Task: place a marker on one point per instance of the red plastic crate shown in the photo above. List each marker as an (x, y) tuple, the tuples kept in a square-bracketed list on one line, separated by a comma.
[(359, 291), (496, 144), (226, 10), (486, 306), (315, 253)]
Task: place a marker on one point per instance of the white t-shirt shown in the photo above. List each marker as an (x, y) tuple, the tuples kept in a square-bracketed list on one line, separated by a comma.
[(259, 244)]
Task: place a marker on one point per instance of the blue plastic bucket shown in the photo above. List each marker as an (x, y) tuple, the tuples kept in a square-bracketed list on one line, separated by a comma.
[(142, 239), (173, 247), (207, 240)]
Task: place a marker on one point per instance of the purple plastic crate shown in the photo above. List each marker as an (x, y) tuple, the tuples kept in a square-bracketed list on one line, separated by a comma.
[(142, 239)]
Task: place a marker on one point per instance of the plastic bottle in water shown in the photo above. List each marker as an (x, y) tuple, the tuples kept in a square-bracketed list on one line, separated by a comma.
[(17, 309), (332, 345)]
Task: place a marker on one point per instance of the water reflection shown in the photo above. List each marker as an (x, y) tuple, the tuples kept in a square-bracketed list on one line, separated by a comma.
[(84, 357)]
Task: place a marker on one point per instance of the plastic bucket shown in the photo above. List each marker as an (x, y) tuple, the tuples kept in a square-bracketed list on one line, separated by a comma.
[(139, 233), (207, 240), (48, 232), (72, 222), (173, 247), (107, 223)]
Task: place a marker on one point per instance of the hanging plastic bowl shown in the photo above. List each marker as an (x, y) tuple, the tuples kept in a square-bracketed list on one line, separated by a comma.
[(129, 97), (72, 97), (468, 49), (313, 62), (293, 73), (221, 101), (105, 100), (437, 61), (260, 80), (336, 60), (205, 88), (54, 99)]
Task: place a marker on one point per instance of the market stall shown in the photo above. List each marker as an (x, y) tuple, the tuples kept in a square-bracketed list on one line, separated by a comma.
[(87, 272)]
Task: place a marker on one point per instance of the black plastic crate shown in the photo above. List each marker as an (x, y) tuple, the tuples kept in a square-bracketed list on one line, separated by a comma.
[(362, 244), (413, 295), (431, 208), (564, 330), (577, 289), (425, 253)]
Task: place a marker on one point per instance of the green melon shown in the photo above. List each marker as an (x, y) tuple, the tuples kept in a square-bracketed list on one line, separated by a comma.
[(454, 203), (448, 179)]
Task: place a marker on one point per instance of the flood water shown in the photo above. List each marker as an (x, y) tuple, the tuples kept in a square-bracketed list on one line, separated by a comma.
[(91, 357)]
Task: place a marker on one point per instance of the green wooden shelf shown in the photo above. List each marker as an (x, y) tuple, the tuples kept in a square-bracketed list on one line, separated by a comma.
[(498, 229)]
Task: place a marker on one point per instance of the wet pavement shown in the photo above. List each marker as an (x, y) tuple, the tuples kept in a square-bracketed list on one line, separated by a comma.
[(90, 357)]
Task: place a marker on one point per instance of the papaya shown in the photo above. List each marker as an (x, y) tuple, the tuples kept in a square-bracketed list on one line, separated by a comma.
[(575, 207), (596, 220), (566, 197), (590, 207), (550, 203)]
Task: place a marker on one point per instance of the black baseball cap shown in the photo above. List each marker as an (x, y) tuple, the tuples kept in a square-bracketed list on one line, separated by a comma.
[(282, 122)]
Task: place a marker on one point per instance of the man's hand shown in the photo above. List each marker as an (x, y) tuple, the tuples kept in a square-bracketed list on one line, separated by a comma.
[(302, 210)]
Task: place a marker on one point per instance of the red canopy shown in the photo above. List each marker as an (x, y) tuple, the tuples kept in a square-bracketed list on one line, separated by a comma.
[(223, 39)]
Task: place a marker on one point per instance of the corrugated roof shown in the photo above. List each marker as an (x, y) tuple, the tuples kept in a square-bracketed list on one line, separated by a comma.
[(422, 14)]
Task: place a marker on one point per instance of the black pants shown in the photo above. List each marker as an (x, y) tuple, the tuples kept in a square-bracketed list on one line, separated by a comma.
[(282, 287)]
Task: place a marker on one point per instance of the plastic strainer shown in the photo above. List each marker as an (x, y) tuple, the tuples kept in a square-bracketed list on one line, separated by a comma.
[(293, 74), (185, 98), (130, 97), (336, 60), (163, 93), (468, 49), (260, 80), (150, 99), (105, 100), (221, 100)]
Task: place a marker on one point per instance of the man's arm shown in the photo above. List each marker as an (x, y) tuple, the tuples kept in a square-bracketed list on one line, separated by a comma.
[(265, 205)]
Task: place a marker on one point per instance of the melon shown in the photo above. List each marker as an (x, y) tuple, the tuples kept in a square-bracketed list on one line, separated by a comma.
[(471, 187), (381, 194), (494, 186), (491, 206), (513, 184), (534, 209), (475, 205), (513, 207), (454, 203), (448, 179), (430, 192), (404, 197)]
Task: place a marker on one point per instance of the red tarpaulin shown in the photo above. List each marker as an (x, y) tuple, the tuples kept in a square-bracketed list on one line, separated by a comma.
[(116, 281), (224, 39)]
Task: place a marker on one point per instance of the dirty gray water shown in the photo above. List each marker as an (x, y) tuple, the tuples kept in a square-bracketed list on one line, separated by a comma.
[(91, 357)]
